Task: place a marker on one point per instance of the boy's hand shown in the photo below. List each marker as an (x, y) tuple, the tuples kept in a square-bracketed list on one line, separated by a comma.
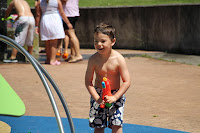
[(100, 101), (110, 99)]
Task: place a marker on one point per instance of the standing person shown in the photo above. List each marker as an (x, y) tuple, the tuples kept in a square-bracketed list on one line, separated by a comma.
[(106, 62), (71, 9), (24, 33), (51, 29)]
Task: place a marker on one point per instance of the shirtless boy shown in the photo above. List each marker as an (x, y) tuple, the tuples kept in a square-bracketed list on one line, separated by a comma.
[(24, 33), (106, 62)]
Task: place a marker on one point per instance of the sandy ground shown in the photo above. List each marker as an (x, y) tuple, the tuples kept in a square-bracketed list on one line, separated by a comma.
[(162, 94)]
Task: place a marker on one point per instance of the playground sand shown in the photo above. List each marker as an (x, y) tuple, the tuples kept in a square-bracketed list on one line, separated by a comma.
[(4, 127)]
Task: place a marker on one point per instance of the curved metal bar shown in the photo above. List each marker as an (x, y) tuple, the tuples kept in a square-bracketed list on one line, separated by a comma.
[(64, 103), (9, 41)]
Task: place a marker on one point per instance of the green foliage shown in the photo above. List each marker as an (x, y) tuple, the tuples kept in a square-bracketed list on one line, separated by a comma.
[(145, 56), (96, 3)]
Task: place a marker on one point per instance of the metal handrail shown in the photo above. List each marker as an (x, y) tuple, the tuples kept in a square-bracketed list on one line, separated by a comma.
[(41, 70)]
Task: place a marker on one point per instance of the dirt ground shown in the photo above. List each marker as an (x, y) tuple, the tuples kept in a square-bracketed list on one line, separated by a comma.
[(162, 94)]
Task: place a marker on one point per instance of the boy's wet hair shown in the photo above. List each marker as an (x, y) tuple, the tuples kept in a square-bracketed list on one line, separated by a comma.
[(105, 28)]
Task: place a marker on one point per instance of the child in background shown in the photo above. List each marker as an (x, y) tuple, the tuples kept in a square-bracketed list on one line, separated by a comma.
[(25, 27), (106, 62)]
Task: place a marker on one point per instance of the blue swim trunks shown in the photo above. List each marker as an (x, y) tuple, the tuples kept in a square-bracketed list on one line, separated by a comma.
[(103, 117)]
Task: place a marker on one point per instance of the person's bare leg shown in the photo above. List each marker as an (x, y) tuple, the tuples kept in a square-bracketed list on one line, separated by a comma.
[(53, 48), (48, 51), (30, 49), (117, 129), (73, 54), (66, 44), (66, 41), (74, 42), (14, 53), (53, 44), (99, 130), (59, 52)]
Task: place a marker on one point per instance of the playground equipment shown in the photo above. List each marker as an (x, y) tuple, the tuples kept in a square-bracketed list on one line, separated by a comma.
[(10, 102), (42, 73)]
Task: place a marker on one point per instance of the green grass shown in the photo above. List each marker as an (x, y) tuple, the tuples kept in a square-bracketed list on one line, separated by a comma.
[(145, 56), (96, 3), (91, 3)]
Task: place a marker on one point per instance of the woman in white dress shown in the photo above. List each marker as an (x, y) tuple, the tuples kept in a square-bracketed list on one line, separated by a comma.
[(48, 19)]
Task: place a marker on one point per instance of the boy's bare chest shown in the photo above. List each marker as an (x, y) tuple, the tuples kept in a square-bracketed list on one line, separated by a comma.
[(108, 67)]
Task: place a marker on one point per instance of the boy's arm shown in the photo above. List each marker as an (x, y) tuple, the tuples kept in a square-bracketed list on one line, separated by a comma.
[(88, 81), (9, 9), (125, 78)]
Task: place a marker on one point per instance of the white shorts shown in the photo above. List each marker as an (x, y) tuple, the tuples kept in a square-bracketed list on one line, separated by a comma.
[(24, 33)]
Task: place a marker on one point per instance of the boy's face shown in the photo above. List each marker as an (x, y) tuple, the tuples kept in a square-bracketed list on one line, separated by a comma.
[(103, 43)]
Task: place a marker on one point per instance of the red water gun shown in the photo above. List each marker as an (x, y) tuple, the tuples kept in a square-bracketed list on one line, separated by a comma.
[(106, 91)]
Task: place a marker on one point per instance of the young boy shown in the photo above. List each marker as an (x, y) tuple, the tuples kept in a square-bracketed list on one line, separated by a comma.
[(108, 63)]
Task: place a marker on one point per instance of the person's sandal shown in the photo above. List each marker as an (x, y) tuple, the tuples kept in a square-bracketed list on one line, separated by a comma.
[(65, 56), (74, 60), (55, 63), (58, 54), (10, 60)]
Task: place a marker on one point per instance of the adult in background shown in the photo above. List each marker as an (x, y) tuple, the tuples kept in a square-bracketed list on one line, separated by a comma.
[(24, 33), (71, 9), (50, 24)]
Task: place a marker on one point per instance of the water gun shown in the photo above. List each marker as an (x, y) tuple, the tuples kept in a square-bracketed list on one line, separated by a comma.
[(106, 91), (8, 18), (12, 18)]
